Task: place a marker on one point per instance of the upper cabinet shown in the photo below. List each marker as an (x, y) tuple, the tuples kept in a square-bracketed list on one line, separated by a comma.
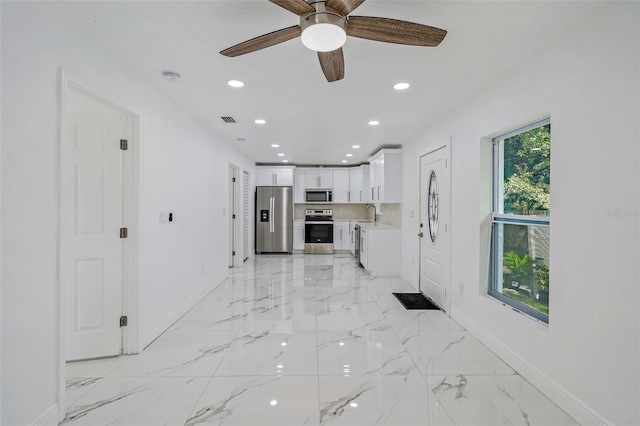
[(299, 185), (318, 178), (359, 187), (341, 186), (274, 176), (386, 176)]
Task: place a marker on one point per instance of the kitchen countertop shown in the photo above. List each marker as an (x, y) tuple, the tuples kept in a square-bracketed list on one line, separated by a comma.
[(375, 225)]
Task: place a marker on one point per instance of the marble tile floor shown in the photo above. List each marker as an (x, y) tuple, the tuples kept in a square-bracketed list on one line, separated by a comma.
[(307, 340)]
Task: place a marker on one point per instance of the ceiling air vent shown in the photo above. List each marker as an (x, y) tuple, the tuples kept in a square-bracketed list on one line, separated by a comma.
[(228, 119)]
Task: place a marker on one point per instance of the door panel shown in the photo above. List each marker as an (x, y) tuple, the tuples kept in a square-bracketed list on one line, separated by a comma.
[(245, 216), (91, 217), (264, 241), (435, 207), (283, 220)]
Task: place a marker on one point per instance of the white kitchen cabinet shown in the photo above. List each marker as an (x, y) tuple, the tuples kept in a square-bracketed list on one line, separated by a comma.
[(364, 248), (380, 250), (298, 235), (386, 176), (340, 235), (340, 185), (318, 178), (274, 176), (299, 185), (359, 186), (352, 236)]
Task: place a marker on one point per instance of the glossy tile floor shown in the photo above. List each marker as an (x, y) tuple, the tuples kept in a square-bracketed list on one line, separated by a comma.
[(307, 340)]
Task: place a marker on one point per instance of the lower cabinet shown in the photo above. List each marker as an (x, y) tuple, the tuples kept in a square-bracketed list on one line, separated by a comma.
[(364, 248), (380, 251), (340, 235), (298, 235), (352, 236)]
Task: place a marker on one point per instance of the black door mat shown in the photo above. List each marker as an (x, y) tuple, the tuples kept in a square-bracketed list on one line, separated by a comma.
[(415, 301)]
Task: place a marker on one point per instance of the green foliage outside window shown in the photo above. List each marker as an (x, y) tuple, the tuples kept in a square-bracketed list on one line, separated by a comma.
[(527, 172), (523, 247)]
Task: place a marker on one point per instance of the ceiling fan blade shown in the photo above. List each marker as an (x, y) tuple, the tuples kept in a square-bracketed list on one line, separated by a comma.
[(263, 41), (332, 64), (394, 31), (344, 6), (296, 6)]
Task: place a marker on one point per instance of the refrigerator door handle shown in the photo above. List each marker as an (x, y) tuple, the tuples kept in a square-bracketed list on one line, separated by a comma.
[(272, 225)]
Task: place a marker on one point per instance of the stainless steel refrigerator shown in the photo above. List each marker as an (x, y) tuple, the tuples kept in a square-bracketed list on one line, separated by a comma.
[(274, 219)]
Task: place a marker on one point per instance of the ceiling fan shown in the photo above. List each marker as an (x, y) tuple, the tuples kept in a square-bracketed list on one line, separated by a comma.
[(325, 25)]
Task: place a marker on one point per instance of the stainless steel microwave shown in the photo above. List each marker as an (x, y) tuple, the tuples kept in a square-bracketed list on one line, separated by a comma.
[(318, 196)]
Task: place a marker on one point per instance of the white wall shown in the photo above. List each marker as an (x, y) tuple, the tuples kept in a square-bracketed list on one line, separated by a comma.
[(588, 358), (184, 169)]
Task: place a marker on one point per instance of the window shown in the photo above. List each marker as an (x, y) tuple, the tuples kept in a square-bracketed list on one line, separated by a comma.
[(519, 269)]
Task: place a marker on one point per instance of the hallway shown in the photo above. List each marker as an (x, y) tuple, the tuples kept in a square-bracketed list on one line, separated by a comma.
[(307, 340)]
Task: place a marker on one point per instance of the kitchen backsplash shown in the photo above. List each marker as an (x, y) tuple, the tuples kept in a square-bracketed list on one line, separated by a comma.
[(391, 213), (340, 211)]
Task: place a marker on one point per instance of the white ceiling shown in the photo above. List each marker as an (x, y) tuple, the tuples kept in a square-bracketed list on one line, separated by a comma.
[(316, 122)]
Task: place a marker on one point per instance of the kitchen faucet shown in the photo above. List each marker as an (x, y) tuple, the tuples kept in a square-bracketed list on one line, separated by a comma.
[(375, 215)]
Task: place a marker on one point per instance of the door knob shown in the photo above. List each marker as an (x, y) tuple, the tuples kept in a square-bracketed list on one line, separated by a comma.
[(421, 235)]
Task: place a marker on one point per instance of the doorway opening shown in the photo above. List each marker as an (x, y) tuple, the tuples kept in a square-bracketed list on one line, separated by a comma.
[(97, 228), (236, 257), (435, 233)]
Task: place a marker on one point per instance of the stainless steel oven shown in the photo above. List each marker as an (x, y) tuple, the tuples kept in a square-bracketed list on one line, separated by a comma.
[(318, 231)]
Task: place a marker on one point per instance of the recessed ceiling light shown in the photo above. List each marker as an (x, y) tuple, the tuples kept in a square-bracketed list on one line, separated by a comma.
[(355, 146), (401, 86), (349, 155), (260, 121), (280, 154), (274, 402), (275, 145), (374, 123), (235, 83), (344, 161), (171, 76)]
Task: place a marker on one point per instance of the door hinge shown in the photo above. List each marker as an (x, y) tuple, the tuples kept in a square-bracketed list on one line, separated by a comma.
[(233, 216), (123, 321), (124, 144), (234, 179), (124, 232), (233, 253)]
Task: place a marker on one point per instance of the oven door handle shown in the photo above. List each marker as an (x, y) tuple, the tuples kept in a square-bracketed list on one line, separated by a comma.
[(326, 222)]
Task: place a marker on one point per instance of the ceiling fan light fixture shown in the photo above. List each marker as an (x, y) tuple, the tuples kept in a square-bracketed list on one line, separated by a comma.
[(324, 30), (324, 37)]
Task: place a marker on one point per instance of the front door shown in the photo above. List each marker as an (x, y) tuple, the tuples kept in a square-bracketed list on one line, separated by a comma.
[(435, 235), (91, 217)]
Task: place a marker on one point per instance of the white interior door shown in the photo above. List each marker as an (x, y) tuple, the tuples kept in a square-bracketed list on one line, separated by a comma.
[(91, 218), (245, 216), (435, 235), (235, 230)]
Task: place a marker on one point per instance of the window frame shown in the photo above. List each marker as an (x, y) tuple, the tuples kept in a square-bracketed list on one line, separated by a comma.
[(498, 217)]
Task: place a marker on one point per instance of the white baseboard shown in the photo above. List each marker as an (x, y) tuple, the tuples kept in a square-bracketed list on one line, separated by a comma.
[(175, 315), (49, 417), (581, 412)]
